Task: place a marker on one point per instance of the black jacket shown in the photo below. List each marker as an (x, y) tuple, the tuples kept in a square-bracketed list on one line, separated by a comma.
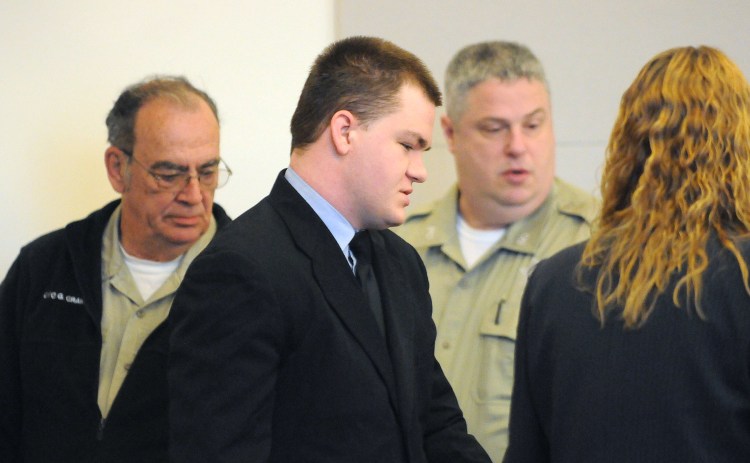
[(275, 356), (676, 389), (50, 345)]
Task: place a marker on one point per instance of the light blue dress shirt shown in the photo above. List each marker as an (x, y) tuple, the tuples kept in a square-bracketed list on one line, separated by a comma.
[(340, 228)]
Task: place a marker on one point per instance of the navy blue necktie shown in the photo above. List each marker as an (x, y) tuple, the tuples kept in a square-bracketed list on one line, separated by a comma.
[(361, 247)]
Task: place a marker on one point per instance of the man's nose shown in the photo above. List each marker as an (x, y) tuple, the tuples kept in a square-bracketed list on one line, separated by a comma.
[(417, 171), (516, 142), (192, 192)]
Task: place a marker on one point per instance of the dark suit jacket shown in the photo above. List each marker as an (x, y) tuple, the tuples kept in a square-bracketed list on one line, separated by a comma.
[(276, 357), (676, 389)]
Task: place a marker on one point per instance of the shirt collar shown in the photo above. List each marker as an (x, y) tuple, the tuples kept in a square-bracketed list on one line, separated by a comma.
[(339, 227), (113, 262), (523, 235)]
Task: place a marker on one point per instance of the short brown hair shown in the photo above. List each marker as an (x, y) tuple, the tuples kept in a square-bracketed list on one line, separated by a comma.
[(362, 75)]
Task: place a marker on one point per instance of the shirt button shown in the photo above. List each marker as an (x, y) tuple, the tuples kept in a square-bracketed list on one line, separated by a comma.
[(127, 366), (140, 313), (446, 344)]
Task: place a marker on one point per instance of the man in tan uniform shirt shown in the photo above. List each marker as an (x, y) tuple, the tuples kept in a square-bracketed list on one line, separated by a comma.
[(507, 211)]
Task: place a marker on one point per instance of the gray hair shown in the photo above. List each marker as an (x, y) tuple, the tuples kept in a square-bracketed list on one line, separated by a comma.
[(121, 118), (472, 65)]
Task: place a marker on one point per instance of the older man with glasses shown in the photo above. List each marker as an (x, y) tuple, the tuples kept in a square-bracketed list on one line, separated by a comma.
[(83, 338)]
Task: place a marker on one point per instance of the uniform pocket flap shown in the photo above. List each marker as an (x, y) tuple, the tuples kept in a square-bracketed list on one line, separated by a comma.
[(503, 321)]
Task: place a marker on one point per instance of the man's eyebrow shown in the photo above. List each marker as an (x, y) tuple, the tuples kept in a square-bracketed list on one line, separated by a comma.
[(211, 163), (168, 165), (537, 112), (493, 119), (421, 142), (500, 120)]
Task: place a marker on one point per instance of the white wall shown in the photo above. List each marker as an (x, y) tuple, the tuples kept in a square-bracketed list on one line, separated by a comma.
[(65, 62), (591, 51)]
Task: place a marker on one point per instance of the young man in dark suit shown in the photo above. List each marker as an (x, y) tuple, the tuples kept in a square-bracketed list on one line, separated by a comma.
[(291, 345)]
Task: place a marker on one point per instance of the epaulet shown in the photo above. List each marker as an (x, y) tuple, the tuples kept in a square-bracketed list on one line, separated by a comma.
[(574, 201), (419, 211)]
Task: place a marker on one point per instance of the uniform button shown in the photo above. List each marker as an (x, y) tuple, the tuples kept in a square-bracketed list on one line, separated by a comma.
[(140, 313), (446, 344), (127, 366)]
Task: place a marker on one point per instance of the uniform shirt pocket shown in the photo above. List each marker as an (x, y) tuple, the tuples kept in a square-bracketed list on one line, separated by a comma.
[(497, 333)]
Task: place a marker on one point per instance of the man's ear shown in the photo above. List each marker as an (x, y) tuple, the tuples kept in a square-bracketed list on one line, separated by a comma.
[(115, 161), (447, 124), (343, 123)]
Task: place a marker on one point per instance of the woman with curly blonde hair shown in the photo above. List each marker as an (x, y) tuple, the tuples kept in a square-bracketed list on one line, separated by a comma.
[(635, 346)]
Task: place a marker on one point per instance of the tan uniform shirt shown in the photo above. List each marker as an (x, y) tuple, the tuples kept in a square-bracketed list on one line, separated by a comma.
[(127, 319), (476, 309)]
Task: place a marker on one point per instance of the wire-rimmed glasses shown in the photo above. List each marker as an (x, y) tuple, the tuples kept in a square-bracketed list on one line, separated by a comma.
[(210, 176)]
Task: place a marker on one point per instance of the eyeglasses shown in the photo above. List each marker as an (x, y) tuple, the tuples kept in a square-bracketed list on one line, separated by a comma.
[(174, 178)]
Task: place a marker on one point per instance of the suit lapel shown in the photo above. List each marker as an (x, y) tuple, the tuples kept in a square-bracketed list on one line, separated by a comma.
[(334, 276), (398, 312)]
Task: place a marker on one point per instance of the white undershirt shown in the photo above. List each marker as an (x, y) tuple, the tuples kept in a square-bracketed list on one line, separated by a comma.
[(475, 242), (148, 274)]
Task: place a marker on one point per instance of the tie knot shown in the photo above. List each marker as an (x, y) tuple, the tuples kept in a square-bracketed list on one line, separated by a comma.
[(360, 247)]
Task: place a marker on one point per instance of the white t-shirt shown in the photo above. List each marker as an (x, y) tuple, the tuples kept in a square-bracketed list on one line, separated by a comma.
[(475, 242), (149, 275)]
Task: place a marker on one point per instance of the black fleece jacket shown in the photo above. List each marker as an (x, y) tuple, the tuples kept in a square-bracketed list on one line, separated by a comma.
[(50, 344)]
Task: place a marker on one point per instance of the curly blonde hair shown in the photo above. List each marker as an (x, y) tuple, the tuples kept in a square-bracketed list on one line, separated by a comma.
[(677, 173)]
